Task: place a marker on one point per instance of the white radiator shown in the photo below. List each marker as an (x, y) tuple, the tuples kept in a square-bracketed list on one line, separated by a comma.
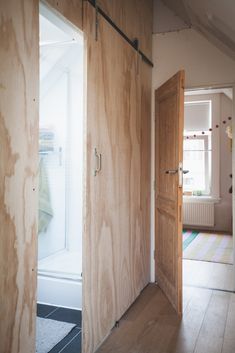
[(198, 213)]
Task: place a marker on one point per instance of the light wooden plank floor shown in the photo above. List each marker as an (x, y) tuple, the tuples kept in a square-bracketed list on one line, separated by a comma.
[(208, 274), (152, 326)]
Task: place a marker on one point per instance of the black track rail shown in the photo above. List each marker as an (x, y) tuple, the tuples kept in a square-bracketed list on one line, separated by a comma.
[(133, 43)]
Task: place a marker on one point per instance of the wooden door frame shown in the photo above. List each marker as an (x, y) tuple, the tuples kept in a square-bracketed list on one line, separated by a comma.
[(191, 88)]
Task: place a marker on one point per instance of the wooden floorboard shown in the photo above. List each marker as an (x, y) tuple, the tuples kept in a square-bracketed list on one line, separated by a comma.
[(229, 335), (208, 274), (211, 335), (187, 333), (152, 326)]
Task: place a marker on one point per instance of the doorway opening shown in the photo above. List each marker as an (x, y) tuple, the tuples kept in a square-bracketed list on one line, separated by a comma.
[(60, 224), (207, 189)]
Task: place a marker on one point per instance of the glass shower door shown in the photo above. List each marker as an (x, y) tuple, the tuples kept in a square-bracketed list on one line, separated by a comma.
[(61, 162), (52, 169)]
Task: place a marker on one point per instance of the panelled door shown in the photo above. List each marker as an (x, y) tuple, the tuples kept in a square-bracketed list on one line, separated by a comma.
[(169, 111), (115, 254)]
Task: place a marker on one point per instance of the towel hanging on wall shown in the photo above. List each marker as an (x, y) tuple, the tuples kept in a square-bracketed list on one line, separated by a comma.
[(45, 210)]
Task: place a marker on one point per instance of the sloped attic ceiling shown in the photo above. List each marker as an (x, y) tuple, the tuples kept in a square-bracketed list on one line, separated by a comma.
[(214, 19)]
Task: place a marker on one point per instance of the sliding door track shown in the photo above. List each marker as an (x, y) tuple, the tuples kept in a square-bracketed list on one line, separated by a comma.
[(134, 43)]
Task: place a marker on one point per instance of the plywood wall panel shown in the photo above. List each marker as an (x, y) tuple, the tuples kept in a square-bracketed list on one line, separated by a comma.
[(116, 241), (18, 169), (71, 10), (134, 18)]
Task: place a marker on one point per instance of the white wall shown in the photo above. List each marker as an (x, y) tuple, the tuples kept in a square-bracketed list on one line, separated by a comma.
[(223, 211), (203, 63)]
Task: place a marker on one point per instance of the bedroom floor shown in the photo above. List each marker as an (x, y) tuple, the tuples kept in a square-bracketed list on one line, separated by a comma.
[(208, 275), (207, 260)]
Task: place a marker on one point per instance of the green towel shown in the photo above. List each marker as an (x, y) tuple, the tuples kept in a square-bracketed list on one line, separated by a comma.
[(45, 210)]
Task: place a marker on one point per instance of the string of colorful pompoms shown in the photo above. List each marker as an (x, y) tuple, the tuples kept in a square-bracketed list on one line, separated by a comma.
[(210, 130)]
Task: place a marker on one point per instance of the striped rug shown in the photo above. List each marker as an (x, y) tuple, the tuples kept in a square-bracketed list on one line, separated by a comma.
[(210, 247), (188, 237)]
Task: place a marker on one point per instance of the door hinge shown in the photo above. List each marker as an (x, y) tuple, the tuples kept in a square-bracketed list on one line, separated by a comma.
[(154, 254)]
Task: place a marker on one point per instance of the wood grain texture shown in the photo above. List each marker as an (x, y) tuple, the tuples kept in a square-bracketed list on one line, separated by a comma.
[(145, 170), (19, 79), (71, 10), (134, 18), (169, 104), (211, 335), (116, 245)]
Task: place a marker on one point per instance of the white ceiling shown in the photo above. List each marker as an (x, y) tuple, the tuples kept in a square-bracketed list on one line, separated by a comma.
[(227, 91), (50, 33), (165, 20), (215, 19), (59, 46)]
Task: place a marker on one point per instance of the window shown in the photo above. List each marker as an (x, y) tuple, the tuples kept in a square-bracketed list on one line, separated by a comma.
[(197, 148), (197, 160)]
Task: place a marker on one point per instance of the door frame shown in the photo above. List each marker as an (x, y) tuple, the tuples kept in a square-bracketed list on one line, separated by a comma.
[(152, 243), (57, 17)]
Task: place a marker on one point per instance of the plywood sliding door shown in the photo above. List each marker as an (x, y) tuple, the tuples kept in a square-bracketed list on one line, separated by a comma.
[(18, 168), (115, 249)]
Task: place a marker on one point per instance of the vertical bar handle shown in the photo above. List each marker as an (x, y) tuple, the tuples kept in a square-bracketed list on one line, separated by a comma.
[(180, 172), (98, 164)]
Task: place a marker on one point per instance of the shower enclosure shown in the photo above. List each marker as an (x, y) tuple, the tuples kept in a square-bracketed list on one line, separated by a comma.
[(60, 162)]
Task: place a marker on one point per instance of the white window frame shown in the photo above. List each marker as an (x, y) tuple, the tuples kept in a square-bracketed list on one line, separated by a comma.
[(208, 162), (215, 142)]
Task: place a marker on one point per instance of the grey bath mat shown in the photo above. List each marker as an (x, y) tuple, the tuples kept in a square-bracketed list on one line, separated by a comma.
[(49, 333)]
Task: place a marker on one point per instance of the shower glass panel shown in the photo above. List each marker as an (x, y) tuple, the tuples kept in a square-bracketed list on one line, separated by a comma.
[(60, 148)]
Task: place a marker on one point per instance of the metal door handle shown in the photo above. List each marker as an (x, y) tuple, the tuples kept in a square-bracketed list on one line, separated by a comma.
[(172, 171), (98, 166), (180, 171)]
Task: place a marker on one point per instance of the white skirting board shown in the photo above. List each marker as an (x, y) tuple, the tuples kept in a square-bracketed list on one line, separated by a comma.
[(198, 214), (60, 292)]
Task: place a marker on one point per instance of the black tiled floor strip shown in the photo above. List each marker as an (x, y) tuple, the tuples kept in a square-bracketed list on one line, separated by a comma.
[(72, 342)]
